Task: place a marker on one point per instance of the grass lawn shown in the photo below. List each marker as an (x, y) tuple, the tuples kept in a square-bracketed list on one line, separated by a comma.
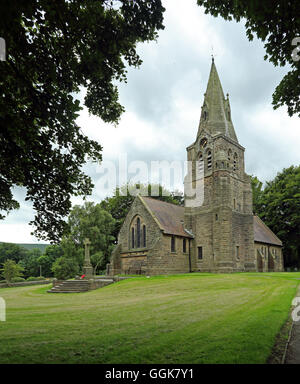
[(196, 318)]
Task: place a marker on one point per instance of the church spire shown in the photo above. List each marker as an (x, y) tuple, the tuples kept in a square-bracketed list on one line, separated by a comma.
[(215, 116)]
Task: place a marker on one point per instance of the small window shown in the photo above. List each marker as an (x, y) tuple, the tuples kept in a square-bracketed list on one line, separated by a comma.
[(234, 204), (200, 253), (173, 244), (209, 160), (217, 217), (237, 252), (204, 115), (184, 245)]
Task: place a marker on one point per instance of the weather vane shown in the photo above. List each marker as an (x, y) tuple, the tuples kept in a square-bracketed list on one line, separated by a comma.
[(212, 53)]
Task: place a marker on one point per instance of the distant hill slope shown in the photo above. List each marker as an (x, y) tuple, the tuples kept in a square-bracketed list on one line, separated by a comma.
[(42, 247)]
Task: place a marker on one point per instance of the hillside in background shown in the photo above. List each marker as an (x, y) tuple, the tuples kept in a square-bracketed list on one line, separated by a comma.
[(42, 247)]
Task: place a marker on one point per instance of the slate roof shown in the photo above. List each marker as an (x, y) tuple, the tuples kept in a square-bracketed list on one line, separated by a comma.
[(169, 216), (170, 219), (263, 234)]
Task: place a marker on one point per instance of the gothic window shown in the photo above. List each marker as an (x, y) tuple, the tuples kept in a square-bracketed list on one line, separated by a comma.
[(172, 243), (144, 236), (200, 164), (229, 154), (235, 161), (132, 237), (138, 232), (209, 160)]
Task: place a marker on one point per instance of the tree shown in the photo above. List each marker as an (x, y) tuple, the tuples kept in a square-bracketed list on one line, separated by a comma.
[(257, 193), (98, 261), (280, 210), (119, 204), (93, 222), (52, 253), (11, 270), (12, 251), (30, 263), (65, 268), (277, 24), (54, 49)]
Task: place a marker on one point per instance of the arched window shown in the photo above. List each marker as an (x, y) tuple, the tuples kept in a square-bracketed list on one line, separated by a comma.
[(229, 154), (138, 232), (132, 237), (144, 236), (209, 160), (200, 164), (235, 162)]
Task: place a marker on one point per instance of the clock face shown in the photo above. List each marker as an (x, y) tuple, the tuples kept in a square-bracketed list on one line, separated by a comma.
[(203, 143)]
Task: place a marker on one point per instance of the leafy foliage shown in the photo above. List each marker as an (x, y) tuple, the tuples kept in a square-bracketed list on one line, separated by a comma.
[(65, 268), (30, 263), (276, 23), (11, 270), (12, 251), (257, 193), (279, 207), (54, 48), (93, 222)]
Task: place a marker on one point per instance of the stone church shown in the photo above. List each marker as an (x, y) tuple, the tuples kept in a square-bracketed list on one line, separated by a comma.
[(215, 233)]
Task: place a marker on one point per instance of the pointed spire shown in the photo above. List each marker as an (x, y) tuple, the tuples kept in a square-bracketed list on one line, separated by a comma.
[(216, 116)]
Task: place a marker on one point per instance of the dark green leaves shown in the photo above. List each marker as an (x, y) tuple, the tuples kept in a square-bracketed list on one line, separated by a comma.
[(53, 49)]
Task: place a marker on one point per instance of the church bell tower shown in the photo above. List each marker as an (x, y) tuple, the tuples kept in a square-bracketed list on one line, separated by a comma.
[(218, 195)]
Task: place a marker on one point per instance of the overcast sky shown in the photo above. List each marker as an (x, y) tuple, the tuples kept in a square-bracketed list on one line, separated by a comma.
[(163, 101)]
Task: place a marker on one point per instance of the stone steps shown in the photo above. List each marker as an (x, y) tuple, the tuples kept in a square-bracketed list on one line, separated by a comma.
[(77, 286)]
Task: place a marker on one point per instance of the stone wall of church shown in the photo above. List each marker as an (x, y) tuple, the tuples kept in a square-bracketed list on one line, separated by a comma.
[(268, 258), (161, 261), (153, 231)]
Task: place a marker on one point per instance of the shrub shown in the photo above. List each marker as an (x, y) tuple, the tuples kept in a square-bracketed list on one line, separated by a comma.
[(33, 278), (65, 268)]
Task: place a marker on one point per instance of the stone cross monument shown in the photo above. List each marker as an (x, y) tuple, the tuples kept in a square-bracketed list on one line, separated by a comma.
[(87, 267)]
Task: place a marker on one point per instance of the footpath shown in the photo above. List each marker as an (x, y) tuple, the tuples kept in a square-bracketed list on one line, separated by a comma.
[(293, 349)]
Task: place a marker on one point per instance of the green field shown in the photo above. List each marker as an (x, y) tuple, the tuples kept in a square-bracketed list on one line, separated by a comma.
[(196, 318)]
